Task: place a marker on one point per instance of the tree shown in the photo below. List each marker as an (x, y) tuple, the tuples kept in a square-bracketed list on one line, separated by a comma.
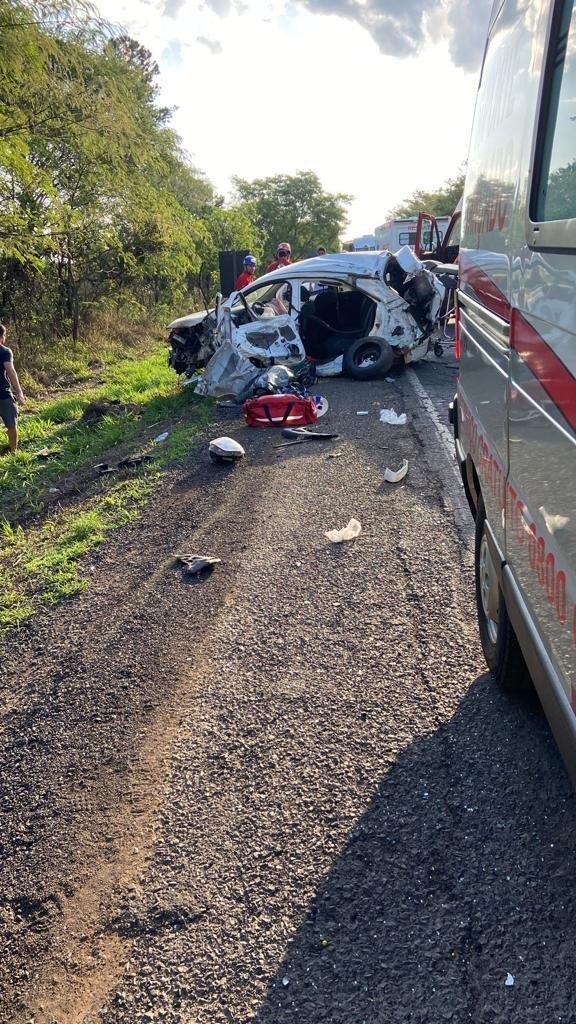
[(440, 202), (295, 209)]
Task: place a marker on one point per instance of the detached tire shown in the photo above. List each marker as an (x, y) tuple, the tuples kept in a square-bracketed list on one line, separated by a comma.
[(368, 358), (501, 648)]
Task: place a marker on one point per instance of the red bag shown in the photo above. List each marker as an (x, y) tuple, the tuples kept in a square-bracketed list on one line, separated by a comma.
[(280, 411)]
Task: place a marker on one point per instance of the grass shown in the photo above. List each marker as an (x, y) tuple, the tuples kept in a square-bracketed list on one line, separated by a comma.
[(149, 393), (43, 556)]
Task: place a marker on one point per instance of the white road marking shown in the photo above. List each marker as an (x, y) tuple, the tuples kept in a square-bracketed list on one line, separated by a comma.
[(444, 433)]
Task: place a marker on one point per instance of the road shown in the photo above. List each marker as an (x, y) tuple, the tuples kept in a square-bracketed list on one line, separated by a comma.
[(290, 793)]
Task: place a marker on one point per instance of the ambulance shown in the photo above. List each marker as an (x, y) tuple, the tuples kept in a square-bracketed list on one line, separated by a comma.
[(514, 415)]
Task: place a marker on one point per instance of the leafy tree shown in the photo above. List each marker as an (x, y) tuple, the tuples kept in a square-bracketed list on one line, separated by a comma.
[(296, 209), (440, 202)]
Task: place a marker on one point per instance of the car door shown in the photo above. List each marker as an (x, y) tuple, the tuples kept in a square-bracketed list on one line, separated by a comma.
[(541, 537)]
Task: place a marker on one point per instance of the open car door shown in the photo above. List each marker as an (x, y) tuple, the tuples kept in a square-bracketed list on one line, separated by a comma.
[(427, 245)]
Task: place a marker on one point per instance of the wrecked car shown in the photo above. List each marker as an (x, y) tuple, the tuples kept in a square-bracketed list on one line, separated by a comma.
[(359, 312)]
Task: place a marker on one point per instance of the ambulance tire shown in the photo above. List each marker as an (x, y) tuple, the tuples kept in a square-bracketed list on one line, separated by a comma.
[(499, 643), (368, 358)]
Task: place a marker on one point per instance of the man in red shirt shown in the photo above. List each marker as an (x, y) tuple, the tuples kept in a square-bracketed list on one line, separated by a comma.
[(283, 257), (248, 274)]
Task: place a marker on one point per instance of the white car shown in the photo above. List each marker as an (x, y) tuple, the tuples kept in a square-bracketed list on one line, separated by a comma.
[(367, 310)]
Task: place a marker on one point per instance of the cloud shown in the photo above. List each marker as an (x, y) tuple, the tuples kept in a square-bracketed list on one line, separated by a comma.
[(211, 44), (402, 27), (173, 7)]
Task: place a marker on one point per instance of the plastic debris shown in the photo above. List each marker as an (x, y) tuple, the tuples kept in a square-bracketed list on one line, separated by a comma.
[(553, 522), (161, 437), (395, 476), (349, 532), (362, 412), (102, 468), (225, 449), (335, 455), (198, 565), (331, 369), (285, 980), (510, 979), (393, 418)]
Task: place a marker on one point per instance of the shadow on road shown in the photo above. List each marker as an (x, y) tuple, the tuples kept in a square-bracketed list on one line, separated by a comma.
[(460, 871)]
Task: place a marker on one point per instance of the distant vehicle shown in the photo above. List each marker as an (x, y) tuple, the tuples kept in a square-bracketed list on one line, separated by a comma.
[(371, 309), (515, 411), (393, 234)]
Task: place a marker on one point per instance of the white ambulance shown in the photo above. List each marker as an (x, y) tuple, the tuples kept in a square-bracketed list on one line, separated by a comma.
[(515, 411)]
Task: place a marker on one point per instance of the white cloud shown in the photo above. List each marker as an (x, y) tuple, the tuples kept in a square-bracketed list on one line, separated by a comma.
[(296, 90)]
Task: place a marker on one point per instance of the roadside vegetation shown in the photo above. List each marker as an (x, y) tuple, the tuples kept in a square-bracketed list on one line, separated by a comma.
[(57, 506)]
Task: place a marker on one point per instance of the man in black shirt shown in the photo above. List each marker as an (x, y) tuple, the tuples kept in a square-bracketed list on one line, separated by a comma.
[(10, 392)]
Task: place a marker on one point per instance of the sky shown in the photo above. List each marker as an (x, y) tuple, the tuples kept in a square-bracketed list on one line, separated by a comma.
[(375, 96)]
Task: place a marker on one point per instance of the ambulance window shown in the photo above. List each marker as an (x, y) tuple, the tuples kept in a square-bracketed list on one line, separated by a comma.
[(556, 197)]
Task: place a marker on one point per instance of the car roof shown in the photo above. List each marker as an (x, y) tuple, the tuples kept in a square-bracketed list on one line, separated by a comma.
[(338, 264)]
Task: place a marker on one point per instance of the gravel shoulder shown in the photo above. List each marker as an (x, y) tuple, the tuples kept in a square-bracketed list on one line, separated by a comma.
[(289, 793)]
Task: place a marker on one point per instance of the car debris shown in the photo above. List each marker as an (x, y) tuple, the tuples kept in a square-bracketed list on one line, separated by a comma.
[(395, 476), (362, 412), (352, 313), (226, 449), (349, 532), (393, 418), (197, 565), (161, 437), (510, 979)]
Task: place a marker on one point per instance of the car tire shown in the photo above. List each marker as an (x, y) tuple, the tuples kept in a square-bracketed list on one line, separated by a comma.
[(376, 354), (499, 643)]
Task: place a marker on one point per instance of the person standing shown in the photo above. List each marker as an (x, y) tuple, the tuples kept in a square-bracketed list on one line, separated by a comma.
[(10, 391), (248, 273), (283, 257)]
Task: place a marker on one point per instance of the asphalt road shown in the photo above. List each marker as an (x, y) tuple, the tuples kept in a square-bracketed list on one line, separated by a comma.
[(290, 793)]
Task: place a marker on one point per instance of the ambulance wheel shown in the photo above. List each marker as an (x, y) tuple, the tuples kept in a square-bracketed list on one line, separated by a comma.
[(501, 648), (367, 358)]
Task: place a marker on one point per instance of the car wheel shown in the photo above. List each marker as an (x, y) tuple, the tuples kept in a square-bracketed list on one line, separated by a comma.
[(501, 648), (367, 358)]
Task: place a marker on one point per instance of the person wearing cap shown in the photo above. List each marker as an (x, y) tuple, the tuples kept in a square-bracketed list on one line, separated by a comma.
[(320, 251), (283, 257), (248, 274)]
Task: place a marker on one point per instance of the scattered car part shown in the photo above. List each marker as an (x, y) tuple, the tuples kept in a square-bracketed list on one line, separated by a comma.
[(225, 449), (198, 565), (307, 435), (392, 417), (395, 476), (368, 358), (161, 437), (133, 461), (102, 468), (349, 532)]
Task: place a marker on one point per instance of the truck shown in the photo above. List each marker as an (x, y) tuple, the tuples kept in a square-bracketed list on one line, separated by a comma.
[(395, 233), (514, 414)]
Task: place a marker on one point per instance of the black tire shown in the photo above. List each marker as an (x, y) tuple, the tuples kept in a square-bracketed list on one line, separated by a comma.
[(377, 350), (501, 648)]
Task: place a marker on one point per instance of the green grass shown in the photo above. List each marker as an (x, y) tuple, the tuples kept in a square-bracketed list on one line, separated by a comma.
[(44, 562), (148, 388)]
